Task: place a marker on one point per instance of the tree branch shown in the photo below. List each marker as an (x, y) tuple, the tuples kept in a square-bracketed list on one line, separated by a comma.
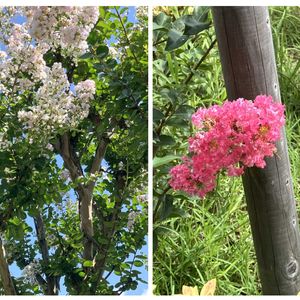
[(85, 192), (41, 281), (41, 235), (65, 149), (126, 36), (190, 76), (52, 288), (8, 285), (100, 263), (99, 155)]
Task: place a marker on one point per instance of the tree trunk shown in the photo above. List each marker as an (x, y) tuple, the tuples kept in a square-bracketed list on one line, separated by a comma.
[(8, 285), (247, 55), (86, 223), (85, 192)]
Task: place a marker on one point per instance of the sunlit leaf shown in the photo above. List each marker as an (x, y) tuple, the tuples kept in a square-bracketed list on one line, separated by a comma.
[(159, 161), (209, 288), (189, 291)]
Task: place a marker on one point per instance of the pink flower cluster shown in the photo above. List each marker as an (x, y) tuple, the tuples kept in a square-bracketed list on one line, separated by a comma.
[(231, 136)]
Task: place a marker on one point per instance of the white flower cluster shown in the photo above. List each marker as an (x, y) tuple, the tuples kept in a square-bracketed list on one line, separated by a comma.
[(6, 13), (56, 106), (132, 216), (23, 65), (63, 27), (113, 52), (141, 12), (3, 55), (31, 270), (65, 174), (85, 91), (142, 198)]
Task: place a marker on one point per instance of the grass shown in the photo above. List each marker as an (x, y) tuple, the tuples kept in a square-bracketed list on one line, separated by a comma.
[(214, 240)]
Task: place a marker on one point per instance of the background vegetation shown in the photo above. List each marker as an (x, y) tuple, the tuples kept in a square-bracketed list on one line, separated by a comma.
[(197, 240)]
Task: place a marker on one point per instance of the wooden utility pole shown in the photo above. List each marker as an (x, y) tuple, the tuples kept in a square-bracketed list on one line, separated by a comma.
[(248, 61)]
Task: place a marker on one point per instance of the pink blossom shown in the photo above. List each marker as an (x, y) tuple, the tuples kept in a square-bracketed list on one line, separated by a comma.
[(230, 137)]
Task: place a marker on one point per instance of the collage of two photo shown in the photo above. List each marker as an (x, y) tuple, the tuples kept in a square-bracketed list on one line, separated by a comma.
[(149, 150)]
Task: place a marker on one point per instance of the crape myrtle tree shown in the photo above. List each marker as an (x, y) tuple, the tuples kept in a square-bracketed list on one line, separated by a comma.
[(73, 149)]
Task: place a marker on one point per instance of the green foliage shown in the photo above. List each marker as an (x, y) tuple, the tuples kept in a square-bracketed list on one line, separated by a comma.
[(179, 30), (32, 184), (179, 80), (212, 239)]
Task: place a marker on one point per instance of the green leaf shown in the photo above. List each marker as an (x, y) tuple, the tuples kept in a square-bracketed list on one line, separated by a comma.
[(169, 210), (141, 256), (86, 55), (177, 212), (118, 273), (170, 95), (160, 64), (177, 121), (160, 161), (83, 68), (193, 26), (102, 51), (138, 263), (201, 13), (88, 263), (175, 40), (184, 111), (143, 281), (125, 266), (15, 221), (159, 27), (161, 21), (165, 140), (81, 274), (157, 115)]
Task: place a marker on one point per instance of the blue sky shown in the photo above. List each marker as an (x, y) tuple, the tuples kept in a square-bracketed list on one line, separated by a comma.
[(113, 279)]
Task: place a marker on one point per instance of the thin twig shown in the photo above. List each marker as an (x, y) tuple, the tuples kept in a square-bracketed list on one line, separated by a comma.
[(187, 80), (159, 42), (126, 35), (52, 288)]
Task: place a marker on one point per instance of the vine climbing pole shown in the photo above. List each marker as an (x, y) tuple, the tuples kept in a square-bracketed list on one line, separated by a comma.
[(247, 54)]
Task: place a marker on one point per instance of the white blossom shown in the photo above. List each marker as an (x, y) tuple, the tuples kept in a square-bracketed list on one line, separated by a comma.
[(56, 106), (142, 198), (72, 27), (49, 147), (31, 270), (141, 11), (131, 219), (65, 174)]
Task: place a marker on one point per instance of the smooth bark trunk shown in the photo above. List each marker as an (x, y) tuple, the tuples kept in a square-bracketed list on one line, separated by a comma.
[(8, 285)]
